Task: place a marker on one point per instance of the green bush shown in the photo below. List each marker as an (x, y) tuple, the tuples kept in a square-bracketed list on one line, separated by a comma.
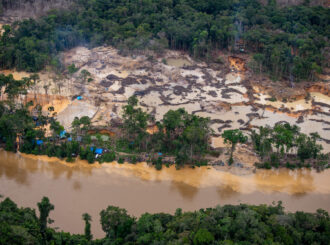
[(70, 159), (158, 166), (274, 160), (215, 153), (109, 156), (72, 69), (289, 165), (265, 165), (90, 157), (133, 159)]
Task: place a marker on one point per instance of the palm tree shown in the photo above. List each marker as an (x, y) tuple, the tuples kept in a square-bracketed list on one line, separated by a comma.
[(87, 218)]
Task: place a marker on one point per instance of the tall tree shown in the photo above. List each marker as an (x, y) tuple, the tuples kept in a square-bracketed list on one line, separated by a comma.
[(135, 122), (233, 137), (87, 218), (116, 223), (44, 209)]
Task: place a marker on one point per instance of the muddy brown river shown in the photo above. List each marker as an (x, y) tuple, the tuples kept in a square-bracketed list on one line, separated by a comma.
[(79, 187)]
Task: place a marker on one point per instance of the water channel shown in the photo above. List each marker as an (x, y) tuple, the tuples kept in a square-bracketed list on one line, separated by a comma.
[(76, 188)]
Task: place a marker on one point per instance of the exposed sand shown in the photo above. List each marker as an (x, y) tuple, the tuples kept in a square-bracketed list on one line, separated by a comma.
[(178, 62)]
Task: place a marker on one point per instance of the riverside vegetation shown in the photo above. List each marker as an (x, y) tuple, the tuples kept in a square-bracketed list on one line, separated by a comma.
[(222, 225), (180, 137)]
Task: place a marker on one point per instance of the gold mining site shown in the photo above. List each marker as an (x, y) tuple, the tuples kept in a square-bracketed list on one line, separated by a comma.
[(229, 94)]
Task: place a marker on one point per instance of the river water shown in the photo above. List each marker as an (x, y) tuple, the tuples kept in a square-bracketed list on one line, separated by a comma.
[(77, 188)]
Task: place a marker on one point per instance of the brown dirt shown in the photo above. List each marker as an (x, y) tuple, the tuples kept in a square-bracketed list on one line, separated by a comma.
[(237, 63), (102, 131), (323, 88), (152, 129)]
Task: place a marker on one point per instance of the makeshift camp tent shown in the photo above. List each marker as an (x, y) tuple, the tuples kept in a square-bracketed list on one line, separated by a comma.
[(97, 150), (62, 134)]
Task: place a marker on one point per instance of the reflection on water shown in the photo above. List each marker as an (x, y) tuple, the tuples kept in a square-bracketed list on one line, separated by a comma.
[(293, 182), (75, 188), (227, 192), (186, 191)]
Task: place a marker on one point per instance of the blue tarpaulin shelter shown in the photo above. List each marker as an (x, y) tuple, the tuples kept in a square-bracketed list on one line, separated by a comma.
[(40, 142), (79, 98), (69, 139), (160, 154), (99, 151), (62, 134)]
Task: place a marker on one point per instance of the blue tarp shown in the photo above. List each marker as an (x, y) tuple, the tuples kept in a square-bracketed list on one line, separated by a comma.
[(62, 134), (160, 154), (69, 139), (98, 150), (79, 98), (40, 142)]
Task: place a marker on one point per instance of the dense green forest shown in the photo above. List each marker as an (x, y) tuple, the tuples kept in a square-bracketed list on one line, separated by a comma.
[(222, 225), (288, 42)]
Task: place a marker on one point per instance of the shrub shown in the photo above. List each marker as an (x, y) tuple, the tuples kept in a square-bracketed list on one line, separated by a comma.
[(109, 156), (158, 166), (70, 159), (274, 160), (289, 165), (215, 153), (90, 157), (72, 68), (133, 159), (266, 165)]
